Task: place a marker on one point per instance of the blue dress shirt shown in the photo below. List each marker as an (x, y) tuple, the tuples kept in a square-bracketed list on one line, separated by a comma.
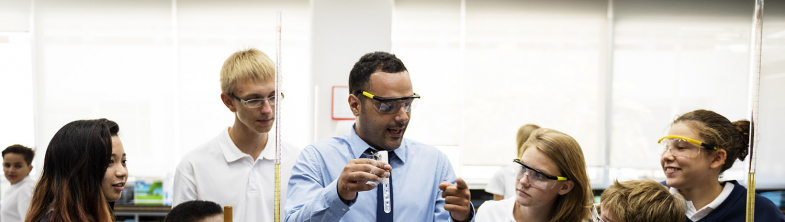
[(417, 168)]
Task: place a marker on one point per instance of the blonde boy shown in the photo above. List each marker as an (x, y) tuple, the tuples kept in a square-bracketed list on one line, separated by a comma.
[(639, 201), (236, 168)]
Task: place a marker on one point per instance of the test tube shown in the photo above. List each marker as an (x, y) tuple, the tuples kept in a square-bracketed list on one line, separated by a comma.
[(383, 156)]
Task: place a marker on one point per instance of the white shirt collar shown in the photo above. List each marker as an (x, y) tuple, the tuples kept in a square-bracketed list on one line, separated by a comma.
[(696, 215), (232, 152)]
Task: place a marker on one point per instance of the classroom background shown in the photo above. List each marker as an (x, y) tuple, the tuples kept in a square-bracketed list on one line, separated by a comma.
[(611, 73)]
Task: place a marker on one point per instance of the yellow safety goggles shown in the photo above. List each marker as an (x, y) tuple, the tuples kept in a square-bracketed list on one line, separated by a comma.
[(683, 146), (699, 143), (392, 105)]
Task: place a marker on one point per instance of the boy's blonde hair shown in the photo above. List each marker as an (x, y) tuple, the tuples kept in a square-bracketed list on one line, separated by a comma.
[(643, 201), (249, 64)]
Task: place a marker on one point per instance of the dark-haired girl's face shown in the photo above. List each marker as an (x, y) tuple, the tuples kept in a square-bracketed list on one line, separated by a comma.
[(683, 171), (116, 173)]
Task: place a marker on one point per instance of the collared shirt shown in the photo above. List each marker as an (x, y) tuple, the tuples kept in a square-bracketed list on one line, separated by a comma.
[(696, 215), (498, 211), (16, 201), (417, 171), (218, 171)]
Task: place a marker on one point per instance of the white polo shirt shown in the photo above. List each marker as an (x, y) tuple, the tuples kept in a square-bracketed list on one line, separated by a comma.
[(16, 201), (218, 171)]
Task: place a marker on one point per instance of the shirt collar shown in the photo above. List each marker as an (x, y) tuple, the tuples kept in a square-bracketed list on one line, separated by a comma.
[(357, 146), (726, 190), (269, 149), (232, 152)]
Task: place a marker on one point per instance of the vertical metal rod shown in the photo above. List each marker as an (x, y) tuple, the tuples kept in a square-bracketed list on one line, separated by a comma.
[(608, 98), (278, 99), (461, 94), (755, 62), (177, 86)]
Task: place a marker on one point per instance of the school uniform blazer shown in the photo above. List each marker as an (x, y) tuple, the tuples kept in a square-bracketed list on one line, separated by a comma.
[(734, 208)]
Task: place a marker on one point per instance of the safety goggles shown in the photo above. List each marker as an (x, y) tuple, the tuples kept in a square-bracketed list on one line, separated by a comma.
[(392, 105), (256, 103), (596, 212), (682, 146), (535, 177)]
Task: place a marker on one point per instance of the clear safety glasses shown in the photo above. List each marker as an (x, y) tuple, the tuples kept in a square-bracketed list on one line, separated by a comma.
[(682, 146), (392, 105), (256, 103), (535, 177), (596, 212)]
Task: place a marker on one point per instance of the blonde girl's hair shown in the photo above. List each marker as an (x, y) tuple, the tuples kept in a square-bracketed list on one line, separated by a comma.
[(523, 134)]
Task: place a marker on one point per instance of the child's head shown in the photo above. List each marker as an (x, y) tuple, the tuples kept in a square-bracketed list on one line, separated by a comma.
[(641, 201), (523, 134), (17, 162), (74, 173), (701, 140), (196, 211), (553, 172)]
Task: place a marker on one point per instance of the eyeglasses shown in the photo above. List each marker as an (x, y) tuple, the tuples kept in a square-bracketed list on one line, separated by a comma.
[(256, 103), (682, 146), (536, 178), (392, 105), (595, 212)]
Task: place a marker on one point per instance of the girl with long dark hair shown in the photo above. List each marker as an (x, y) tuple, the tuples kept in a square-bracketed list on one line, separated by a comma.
[(83, 175)]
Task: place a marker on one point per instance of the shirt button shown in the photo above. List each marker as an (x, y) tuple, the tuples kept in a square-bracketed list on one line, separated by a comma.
[(344, 209)]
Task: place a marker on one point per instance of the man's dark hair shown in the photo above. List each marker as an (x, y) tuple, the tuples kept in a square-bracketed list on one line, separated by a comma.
[(26, 152), (370, 63), (193, 211)]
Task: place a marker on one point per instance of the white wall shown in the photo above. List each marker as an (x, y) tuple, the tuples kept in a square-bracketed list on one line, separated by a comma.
[(343, 31)]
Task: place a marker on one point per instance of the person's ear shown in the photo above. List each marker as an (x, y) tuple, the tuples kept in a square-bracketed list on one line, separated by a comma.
[(227, 100), (719, 159), (30, 168), (355, 104), (566, 187)]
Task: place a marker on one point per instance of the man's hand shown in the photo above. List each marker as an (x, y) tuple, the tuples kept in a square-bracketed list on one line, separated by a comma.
[(457, 199), (357, 173)]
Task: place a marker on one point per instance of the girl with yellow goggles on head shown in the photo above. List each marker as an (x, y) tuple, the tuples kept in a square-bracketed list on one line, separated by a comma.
[(694, 172)]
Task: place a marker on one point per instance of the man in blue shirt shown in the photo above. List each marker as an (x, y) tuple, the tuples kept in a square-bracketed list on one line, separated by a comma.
[(334, 179)]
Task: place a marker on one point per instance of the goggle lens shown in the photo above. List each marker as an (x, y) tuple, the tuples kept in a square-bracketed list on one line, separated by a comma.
[(534, 178), (680, 147), (392, 106)]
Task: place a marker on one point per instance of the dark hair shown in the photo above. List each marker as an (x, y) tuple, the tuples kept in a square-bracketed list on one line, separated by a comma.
[(26, 152), (733, 137), (370, 63), (193, 211), (74, 166)]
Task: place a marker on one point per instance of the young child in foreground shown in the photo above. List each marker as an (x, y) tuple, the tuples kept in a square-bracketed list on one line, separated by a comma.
[(196, 211), (639, 201)]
